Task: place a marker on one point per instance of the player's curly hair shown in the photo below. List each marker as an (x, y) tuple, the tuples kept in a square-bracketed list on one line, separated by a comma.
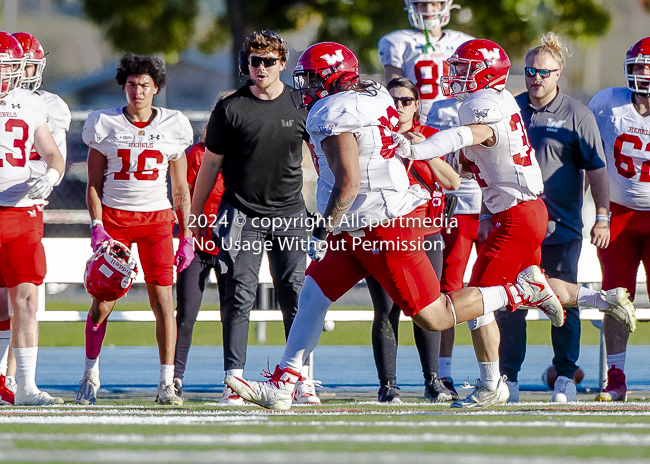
[(132, 64), (552, 44), (265, 42)]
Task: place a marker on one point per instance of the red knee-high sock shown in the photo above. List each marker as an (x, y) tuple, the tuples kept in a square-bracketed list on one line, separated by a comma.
[(95, 334)]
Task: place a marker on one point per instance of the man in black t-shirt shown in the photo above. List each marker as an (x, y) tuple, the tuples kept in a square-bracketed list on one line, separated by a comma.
[(255, 138)]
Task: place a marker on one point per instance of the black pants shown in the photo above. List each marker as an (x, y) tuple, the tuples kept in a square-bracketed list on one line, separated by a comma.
[(385, 326), (559, 261), (238, 280), (190, 285)]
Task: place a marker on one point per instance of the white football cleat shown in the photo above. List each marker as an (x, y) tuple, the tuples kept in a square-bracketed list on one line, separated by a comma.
[(620, 307), (564, 390), (89, 385), (38, 398), (167, 395), (305, 392), (483, 397), (534, 290), (275, 393), (230, 398)]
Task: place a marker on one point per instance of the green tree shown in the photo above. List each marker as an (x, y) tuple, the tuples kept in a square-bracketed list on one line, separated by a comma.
[(145, 26)]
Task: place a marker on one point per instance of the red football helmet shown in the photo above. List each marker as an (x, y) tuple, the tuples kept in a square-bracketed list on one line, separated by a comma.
[(428, 21), (639, 53), (323, 69), (12, 63), (34, 54), (110, 272), (476, 64)]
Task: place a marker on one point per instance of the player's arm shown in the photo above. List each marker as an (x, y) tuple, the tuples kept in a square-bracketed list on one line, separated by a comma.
[(600, 192), (47, 149), (210, 168), (95, 186), (391, 72), (451, 140), (181, 194), (342, 153)]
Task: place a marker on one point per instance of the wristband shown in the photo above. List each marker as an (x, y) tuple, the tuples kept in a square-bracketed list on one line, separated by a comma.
[(484, 216), (320, 233), (603, 217), (52, 175), (96, 222)]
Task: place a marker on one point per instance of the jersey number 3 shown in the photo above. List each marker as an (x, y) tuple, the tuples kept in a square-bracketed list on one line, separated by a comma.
[(141, 173), (18, 143)]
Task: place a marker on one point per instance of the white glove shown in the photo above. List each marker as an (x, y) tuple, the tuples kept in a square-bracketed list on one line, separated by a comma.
[(317, 246), (403, 149), (44, 185)]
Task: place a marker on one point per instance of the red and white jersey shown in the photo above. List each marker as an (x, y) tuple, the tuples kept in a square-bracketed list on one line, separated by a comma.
[(443, 115), (58, 120), (626, 138), (404, 49), (22, 112), (507, 172), (385, 190), (135, 178)]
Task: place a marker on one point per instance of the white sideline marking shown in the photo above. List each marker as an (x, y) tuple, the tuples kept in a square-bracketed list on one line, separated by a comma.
[(256, 439), (278, 457)]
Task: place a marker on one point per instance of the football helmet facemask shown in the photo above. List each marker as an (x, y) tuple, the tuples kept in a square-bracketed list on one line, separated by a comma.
[(428, 21), (12, 63), (476, 64), (639, 53), (110, 272), (323, 69), (34, 54)]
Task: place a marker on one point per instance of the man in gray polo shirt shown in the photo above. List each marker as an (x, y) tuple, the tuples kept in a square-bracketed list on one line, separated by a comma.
[(567, 142)]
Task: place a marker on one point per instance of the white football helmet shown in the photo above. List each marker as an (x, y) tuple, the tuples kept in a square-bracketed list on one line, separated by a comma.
[(422, 20)]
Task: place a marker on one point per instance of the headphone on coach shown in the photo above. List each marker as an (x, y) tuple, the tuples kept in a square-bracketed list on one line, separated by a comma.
[(243, 59)]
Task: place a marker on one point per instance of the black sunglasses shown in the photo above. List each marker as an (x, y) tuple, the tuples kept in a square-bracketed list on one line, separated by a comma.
[(543, 73), (255, 61), (406, 101)]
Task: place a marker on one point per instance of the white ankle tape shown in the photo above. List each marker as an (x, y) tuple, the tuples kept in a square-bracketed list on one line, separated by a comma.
[(453, 311)]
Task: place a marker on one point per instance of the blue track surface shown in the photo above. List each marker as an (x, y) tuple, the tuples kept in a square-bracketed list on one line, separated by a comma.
[(127, 368)]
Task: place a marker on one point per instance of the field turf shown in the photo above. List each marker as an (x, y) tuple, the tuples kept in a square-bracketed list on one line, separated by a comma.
[(341, 431)]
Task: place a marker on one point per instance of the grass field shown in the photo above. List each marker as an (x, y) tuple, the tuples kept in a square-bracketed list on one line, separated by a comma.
[(209, 333), (340, 431)]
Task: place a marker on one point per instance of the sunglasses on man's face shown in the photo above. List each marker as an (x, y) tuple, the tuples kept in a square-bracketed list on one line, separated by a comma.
[(255, 61), (406, 101), (543, 73)]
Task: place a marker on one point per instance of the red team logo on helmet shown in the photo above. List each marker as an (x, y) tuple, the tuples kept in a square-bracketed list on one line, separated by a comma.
[(35, 55), (110, 272), (639, 53), (12, 63), (323, 69), (477, 64)]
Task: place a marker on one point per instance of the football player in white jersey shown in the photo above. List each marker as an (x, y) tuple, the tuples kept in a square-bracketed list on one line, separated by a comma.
[(505, 167), (22, 257), (131, 148), (58, 121), (421, 55), (372, 220), (623, 117)]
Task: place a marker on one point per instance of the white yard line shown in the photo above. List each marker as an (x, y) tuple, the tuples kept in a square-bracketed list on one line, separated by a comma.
[(257, 439), (277, 457)]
